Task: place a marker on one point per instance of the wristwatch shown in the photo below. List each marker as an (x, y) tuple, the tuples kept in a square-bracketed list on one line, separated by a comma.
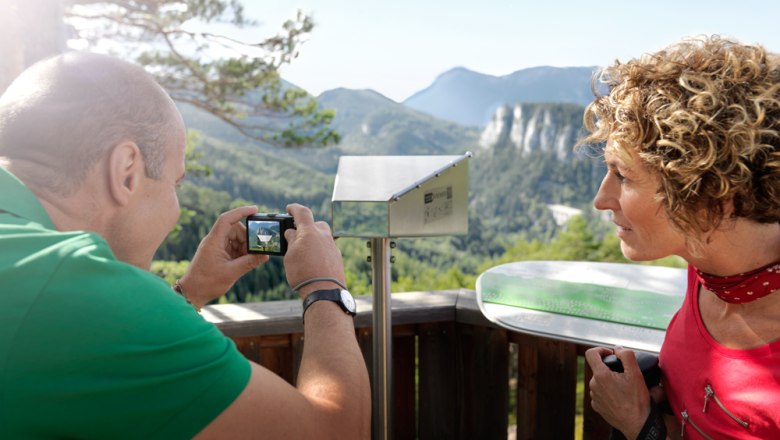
[(341, 297)]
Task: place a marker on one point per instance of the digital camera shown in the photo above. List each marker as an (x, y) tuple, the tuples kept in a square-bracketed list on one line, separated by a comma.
[(265, 233)]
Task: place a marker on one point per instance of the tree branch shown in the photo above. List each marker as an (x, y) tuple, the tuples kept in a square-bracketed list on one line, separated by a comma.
[(222, 87)]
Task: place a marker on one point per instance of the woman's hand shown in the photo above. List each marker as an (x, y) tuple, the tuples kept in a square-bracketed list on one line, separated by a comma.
[(621, 398)]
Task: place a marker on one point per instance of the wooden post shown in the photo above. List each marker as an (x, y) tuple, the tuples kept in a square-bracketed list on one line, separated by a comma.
[(557, 376), (404, 387), (527, 393), (594, 427), (547, 388), (484, 381), (273, 352), (438, 383)]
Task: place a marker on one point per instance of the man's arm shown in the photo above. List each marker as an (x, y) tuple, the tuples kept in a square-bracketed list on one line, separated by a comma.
[(333, 397)]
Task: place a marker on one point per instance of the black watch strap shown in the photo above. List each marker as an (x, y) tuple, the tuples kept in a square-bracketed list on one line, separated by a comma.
[(334, 295), (654, 427)]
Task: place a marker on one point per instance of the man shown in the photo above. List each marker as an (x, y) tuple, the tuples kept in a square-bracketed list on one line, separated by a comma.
[(91, 343)]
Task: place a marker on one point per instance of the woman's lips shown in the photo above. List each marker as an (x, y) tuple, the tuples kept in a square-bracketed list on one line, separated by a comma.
[(622, 230)]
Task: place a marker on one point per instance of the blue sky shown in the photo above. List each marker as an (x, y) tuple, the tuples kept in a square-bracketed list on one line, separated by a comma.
[(399, 47)]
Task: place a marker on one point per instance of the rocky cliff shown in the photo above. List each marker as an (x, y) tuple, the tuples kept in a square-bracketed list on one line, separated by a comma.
[(527, 128)]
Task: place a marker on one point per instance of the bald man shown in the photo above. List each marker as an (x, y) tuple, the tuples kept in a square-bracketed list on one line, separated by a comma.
[(91, 343)]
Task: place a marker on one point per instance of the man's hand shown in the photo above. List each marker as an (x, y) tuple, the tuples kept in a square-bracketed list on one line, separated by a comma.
[(332, 394), (621, 398), (221, 258), (311, 252)]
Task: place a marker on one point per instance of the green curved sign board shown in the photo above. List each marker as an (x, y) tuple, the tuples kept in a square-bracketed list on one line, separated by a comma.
[(640, 308)]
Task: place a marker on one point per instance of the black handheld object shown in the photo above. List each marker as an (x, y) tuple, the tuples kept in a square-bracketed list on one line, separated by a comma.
[(654, 427), (265, 233), (648, 364)]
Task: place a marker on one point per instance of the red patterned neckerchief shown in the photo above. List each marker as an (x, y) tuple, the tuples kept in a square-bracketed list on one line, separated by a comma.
[(744, 287)]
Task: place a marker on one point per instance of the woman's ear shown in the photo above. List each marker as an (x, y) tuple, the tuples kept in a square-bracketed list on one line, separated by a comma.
[(728, 208), (125, 168)]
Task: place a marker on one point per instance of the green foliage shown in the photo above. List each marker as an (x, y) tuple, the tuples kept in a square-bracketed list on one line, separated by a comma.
[(576, 242), (192, 158), (192, 167), (514, 190), (249, 173), (356, 267), (170, 271), (411, 271), (433, 279), (244, 90)]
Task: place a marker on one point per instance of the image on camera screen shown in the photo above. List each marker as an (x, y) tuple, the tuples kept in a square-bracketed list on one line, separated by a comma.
[(264, 236)]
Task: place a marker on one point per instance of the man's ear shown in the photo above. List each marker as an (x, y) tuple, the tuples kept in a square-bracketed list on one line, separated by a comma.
[(125, 169)]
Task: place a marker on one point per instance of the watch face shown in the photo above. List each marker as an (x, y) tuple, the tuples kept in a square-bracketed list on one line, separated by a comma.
[(347, 300)]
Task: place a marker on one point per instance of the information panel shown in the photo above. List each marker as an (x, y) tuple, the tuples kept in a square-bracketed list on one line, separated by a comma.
[(606, 303)]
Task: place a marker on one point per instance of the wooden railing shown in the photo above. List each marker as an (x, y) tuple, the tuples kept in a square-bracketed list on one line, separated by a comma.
[(453, 370)]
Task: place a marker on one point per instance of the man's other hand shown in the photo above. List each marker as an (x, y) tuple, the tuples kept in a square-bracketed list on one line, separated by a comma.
[(311, 252), (221, 258)]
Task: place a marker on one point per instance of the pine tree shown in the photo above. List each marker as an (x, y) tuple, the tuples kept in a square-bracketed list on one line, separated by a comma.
[(244, 89)]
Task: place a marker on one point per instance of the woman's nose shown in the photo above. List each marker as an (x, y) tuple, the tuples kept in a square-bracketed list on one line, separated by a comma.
[(605, 198)]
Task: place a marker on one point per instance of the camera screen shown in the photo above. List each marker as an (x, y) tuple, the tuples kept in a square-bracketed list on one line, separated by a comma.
[(264, 236)]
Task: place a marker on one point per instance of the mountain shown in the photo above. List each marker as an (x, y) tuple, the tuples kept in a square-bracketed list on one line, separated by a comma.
[(373, 124), (353, 105), (471, 98), (369, 124)]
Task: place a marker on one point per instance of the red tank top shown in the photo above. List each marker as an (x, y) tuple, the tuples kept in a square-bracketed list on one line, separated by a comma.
[(714, 391)]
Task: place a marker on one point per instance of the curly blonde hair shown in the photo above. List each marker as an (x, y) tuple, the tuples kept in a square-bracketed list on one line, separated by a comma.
[(705, 115)]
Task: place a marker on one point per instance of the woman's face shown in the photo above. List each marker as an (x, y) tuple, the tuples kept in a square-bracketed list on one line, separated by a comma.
[(629, 191)]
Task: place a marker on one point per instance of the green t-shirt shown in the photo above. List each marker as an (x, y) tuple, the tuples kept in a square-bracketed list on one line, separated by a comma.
[(91, 347)]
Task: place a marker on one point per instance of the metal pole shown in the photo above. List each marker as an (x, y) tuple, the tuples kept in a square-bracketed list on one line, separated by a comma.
[(382, 403)]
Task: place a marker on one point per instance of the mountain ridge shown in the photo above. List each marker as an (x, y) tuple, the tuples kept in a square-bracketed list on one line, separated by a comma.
[(471, 98)]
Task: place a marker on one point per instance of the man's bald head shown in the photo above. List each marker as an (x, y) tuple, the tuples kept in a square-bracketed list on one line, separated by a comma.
[(64, 113)]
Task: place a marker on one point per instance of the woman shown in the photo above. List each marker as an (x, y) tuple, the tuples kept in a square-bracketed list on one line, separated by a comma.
[(693, 155)]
